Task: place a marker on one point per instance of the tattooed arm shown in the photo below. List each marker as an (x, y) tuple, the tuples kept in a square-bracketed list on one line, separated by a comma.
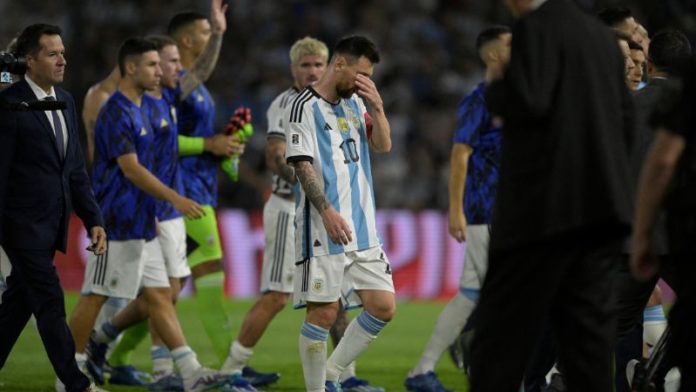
[(275, 159), (205, 63), (336, 226)]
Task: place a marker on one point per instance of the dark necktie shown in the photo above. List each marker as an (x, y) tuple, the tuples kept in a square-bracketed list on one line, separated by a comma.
[(58, 128)]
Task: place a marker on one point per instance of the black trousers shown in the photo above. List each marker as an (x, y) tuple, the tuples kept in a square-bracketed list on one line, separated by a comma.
[(568, 281), (33, 288)]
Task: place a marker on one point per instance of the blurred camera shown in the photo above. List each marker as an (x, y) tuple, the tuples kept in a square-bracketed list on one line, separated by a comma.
[(9, 65)]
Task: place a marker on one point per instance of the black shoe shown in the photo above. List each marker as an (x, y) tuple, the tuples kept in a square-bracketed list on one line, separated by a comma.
[(259, 379)]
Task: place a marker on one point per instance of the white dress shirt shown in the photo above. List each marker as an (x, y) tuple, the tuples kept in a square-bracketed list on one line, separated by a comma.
[(41, 95)]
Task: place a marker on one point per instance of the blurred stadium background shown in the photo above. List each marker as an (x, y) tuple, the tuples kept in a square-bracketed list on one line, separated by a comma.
[(429, 63)]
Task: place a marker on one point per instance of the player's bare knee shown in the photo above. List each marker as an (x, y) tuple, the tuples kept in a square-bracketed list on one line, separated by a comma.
[(156, 296), (322, 314), (379, 304), (274, 301)]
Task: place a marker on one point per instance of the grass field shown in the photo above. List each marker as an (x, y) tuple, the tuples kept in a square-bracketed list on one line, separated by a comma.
[(385, 363)]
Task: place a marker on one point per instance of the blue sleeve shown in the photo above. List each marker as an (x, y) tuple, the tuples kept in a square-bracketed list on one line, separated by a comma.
[(119, 135), (471, 115), (172, 95)]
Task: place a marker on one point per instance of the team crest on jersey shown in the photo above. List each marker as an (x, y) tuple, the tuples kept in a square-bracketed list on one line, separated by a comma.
[(356, 122), (164, 123), (143, 131), (210, 240), (317, 285), (343, 124)]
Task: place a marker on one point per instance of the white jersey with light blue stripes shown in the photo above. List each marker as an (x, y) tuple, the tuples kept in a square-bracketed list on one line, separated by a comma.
[(334, 138)]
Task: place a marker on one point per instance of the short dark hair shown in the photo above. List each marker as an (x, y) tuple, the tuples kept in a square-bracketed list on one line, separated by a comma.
[(634, 46), (133, 46), (356, 46), (28, 40), (668, 48), (612, 16), (182, 20), (490, 34), (160, 41)]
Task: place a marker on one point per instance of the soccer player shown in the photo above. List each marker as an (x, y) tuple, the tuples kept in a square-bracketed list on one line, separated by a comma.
[(473, 175), (308, 58), (124, 186), (218, 145), (338, 251), (192, 32), (94, 100)]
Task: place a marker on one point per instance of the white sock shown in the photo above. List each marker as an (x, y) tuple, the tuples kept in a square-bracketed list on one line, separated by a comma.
[(313, 356), (359, 334), (348, 372), (162, 362), (237, 358), (108, 311), (186, 361), (449, 324), (654, 324)]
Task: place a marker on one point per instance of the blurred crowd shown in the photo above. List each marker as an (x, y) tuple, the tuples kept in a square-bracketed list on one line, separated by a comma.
[(428, 64)]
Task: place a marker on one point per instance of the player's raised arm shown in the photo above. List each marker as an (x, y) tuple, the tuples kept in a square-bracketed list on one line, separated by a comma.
[(205, 63), (380, 141)]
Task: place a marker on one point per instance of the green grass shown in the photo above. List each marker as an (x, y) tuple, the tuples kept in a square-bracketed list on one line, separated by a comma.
[(386, 362)]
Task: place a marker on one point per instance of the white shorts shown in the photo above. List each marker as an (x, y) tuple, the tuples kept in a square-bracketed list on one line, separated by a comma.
[(476, 261), (279, 255), (125, 268), (333, 277), (172, 238)]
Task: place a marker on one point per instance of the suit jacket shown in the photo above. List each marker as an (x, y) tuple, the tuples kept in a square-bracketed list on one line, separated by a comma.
[(38, 189), (568, 119), (646, 100)]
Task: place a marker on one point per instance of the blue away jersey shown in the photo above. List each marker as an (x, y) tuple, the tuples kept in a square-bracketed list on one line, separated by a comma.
[(475, 128), (121, 129), (199, 172), (162, 116)]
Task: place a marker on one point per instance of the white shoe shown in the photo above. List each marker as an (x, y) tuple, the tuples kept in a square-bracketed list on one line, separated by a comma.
[(204, 379)]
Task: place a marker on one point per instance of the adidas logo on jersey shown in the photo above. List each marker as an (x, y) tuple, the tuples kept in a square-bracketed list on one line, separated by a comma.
[(327, 127), (164, 123), (317, 243), (143, 131), (199, 98)]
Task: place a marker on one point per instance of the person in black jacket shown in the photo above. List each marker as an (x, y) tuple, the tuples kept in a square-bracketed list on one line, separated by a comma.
[(42, 179), (563, 205)]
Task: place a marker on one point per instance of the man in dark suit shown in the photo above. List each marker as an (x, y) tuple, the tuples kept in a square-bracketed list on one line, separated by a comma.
[(668, 180), (563, 199), (42, 178)]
